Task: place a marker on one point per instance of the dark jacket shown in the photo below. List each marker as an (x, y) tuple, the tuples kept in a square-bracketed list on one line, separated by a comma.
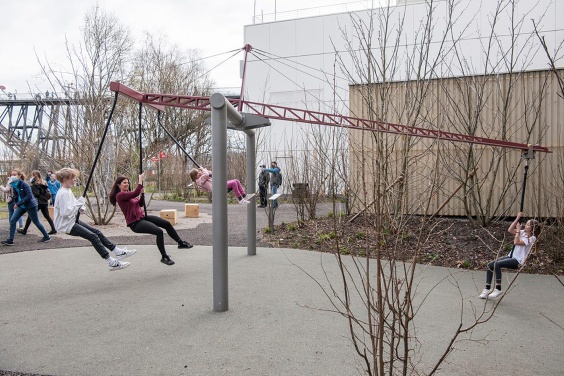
[(39, 191), (263, 178), (25, 197)]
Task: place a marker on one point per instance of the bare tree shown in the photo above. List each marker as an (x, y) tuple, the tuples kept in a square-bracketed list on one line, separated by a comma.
[(555, 230), (490, 104), (397, 180), (161, 68), (101, 57)]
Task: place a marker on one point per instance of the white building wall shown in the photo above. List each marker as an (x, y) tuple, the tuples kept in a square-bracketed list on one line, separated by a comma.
[(294, 62)]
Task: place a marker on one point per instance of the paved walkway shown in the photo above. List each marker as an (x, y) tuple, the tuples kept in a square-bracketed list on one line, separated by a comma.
[(63, 313)]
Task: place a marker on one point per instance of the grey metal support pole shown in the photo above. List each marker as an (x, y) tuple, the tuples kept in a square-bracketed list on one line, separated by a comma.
[(238, 122), (221, 111), (219, 207), (251, 184)]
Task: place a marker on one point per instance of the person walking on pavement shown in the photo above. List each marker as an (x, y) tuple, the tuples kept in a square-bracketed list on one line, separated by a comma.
[(11, 197), (25, 203), (263, 181), (42, 194)]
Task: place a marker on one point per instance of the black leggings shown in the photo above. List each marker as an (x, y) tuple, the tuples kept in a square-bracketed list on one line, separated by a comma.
[(153, 225), (44, 209)]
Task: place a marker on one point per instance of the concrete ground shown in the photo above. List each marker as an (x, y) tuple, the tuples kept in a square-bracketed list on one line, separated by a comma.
[(63, 313)]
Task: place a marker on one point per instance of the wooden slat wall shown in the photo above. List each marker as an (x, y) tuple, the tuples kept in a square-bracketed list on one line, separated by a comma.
[(448, 104)]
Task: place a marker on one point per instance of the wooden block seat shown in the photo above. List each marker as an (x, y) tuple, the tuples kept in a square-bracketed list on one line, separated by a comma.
[(170, 215), (191, 210)]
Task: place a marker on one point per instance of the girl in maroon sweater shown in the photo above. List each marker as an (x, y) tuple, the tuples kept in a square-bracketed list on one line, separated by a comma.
[(131, 204)]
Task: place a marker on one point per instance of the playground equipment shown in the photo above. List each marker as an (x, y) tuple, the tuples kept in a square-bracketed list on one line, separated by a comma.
[(224, 115)]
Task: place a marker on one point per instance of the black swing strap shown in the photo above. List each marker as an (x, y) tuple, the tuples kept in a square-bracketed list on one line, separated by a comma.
[(175, 140), (98, 152), (141, 152), (178, 144), (522, 204)]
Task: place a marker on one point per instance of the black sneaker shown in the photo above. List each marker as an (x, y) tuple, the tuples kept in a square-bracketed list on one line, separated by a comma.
[(7, 242), (167, 261), (21, 231), (45, 240), (52, 232), (184, 244)]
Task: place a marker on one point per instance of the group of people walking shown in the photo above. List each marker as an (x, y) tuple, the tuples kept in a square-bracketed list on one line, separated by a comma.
[(30, 198)]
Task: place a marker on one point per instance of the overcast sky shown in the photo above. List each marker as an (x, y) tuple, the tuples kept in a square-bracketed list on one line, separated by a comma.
[(30, 27)]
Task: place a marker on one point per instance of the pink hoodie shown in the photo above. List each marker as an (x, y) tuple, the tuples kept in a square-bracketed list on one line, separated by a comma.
[(204, 182)]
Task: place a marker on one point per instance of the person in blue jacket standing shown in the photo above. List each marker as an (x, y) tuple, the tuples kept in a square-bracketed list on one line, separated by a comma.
[(53, 184), (275, 180), (25, 202)]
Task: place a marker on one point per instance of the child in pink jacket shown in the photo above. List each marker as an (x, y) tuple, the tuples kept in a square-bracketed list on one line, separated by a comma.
[(203, 180)]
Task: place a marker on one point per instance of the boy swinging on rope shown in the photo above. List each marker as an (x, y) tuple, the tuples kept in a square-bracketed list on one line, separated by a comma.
[(66, 209)]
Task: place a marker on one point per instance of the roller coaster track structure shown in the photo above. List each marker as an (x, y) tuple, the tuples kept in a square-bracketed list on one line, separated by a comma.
[(33, 127)]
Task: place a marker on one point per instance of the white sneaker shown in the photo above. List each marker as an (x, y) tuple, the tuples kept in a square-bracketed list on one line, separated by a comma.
[(495, 294), (244, 202), (484, 294), (249, 196), (122, 253), (119, 265)]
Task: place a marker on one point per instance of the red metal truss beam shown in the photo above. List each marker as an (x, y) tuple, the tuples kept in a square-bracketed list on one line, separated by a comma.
[(159, 101), (135, 95), (313, 117)]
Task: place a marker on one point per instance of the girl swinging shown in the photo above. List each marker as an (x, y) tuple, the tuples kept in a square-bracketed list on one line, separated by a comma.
[(203, 180), (131, 204)]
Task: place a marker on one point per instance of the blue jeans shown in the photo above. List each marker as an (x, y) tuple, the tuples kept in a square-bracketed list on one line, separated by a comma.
[(496, 265), (32, 213), (43, 208), (94, 236), (273, 190), (11, 212)]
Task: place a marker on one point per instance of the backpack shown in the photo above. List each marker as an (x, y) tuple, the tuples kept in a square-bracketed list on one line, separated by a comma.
[(46, 194), (276, 179)]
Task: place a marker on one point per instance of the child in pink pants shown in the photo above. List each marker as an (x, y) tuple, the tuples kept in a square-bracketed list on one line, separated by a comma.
[(203, 180)]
